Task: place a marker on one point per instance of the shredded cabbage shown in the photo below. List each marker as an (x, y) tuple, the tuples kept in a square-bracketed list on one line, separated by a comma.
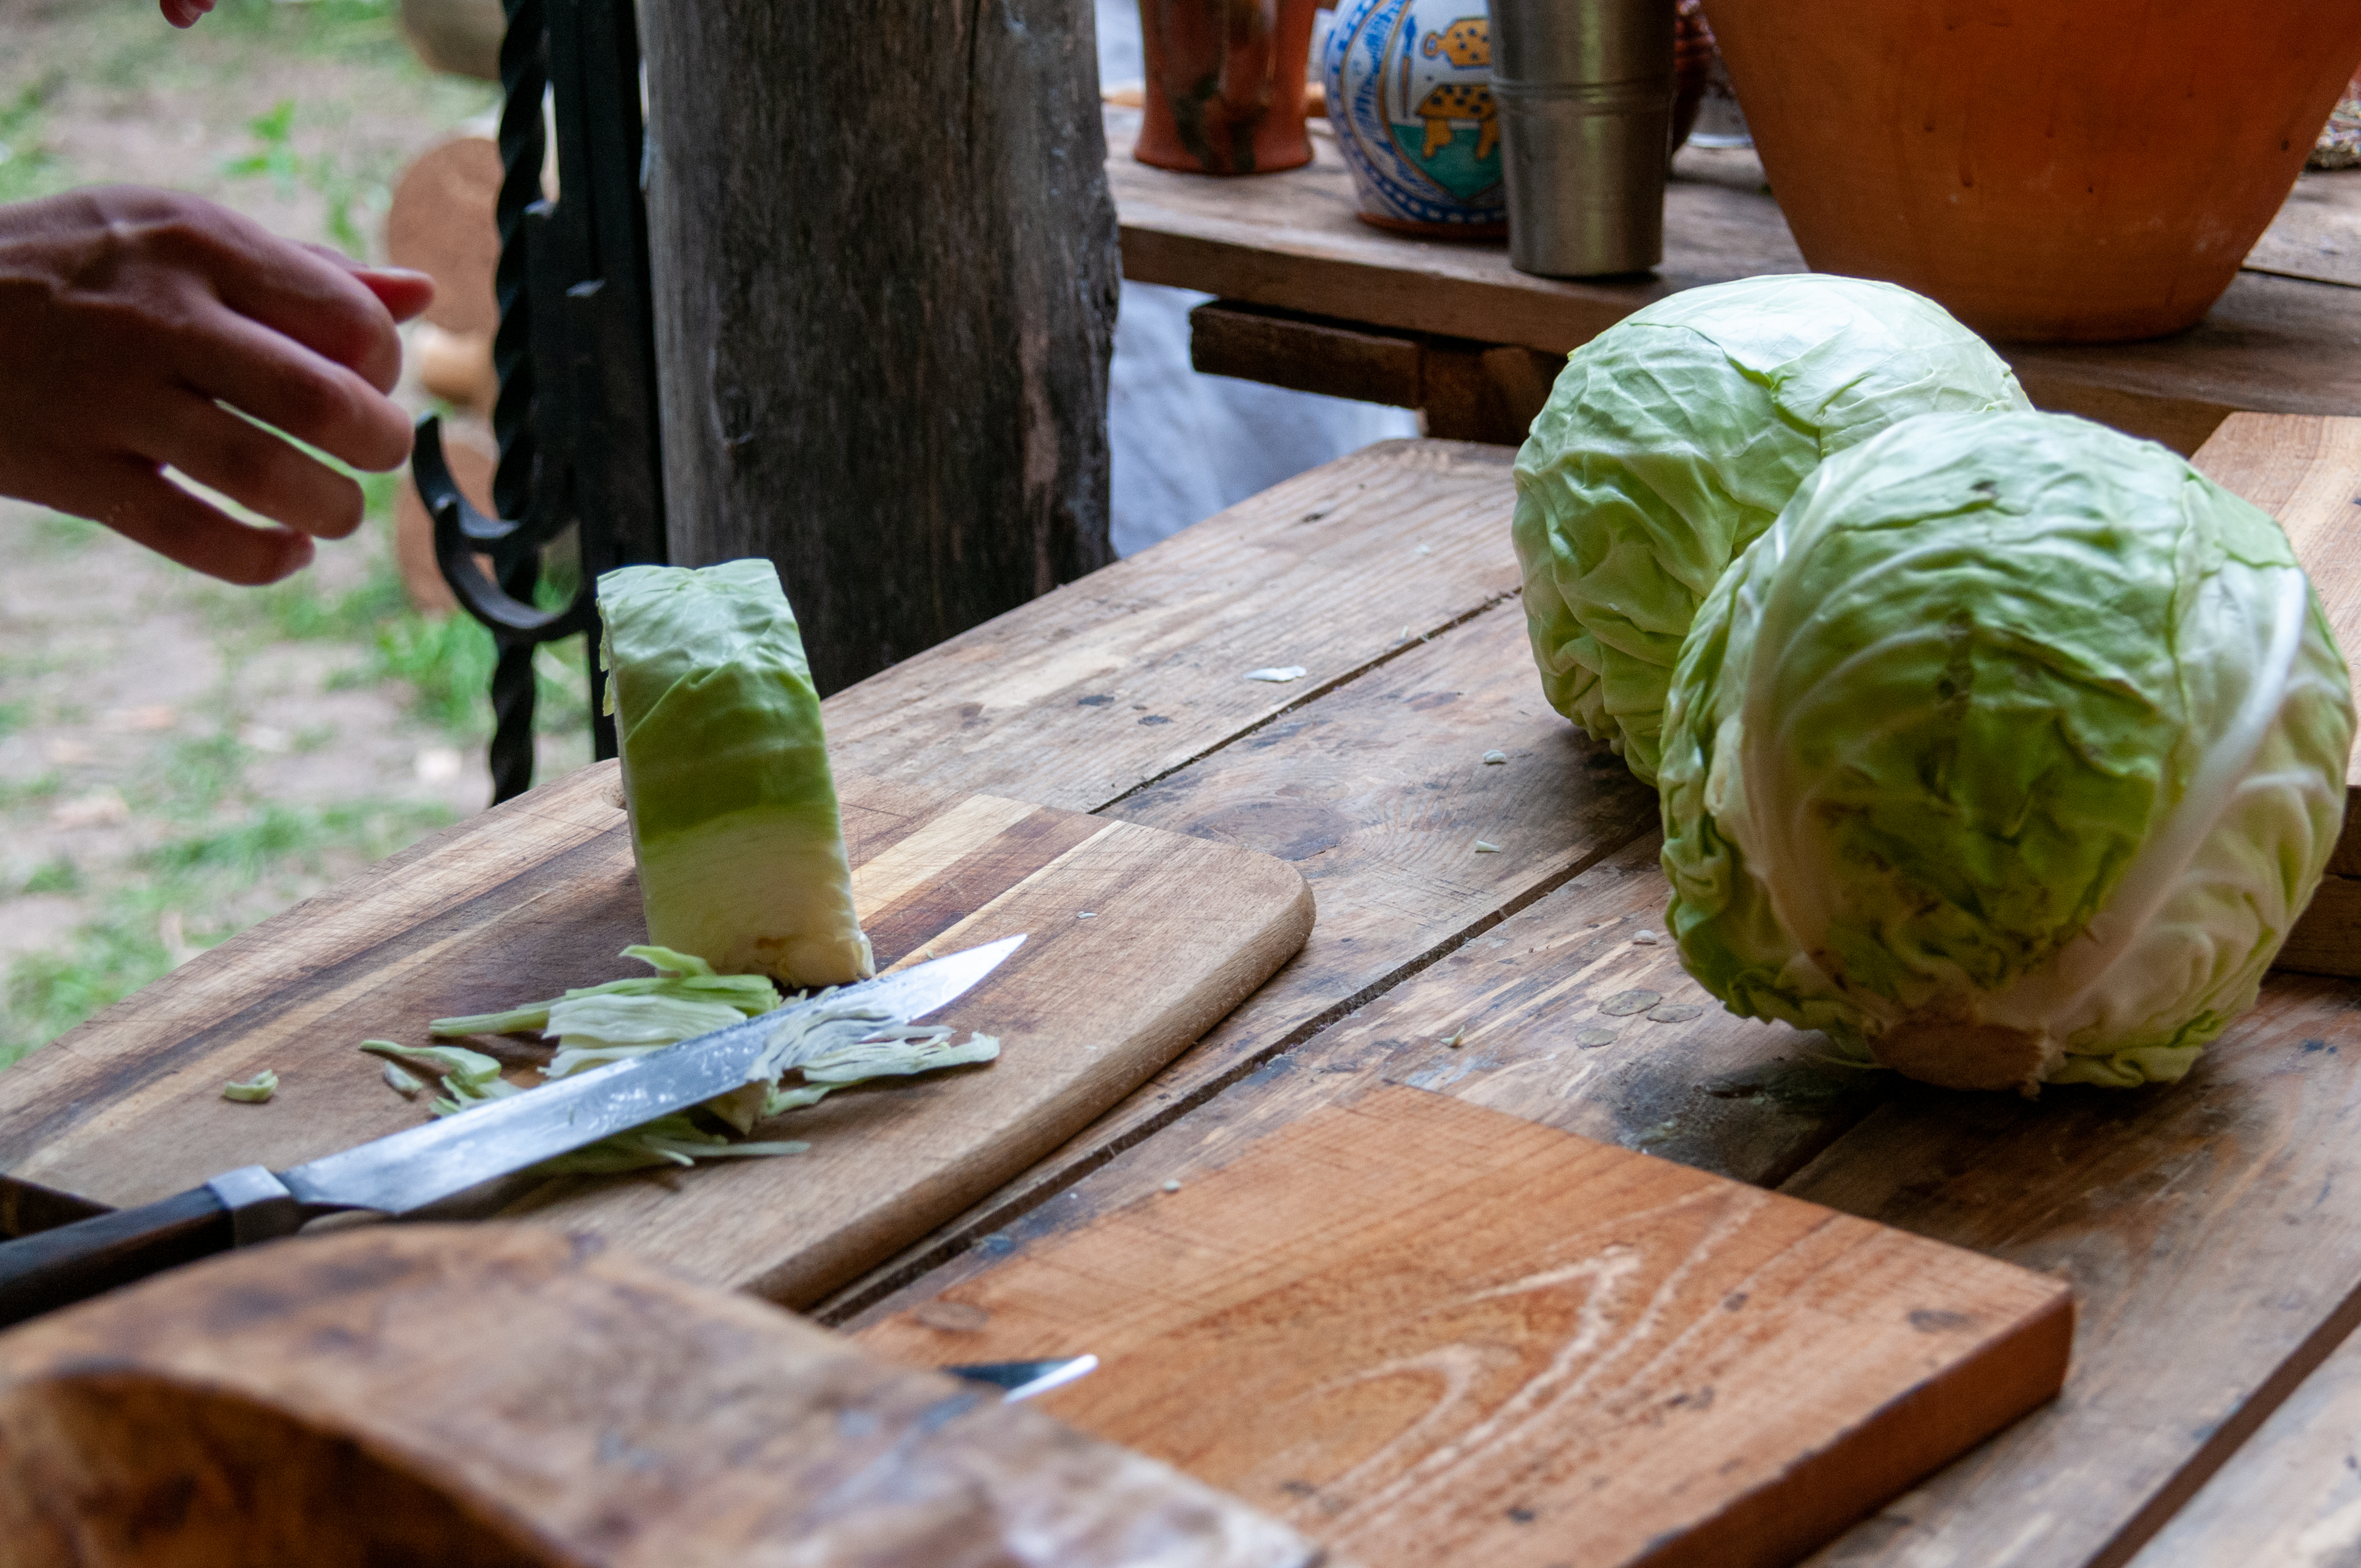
[(833, 1048)]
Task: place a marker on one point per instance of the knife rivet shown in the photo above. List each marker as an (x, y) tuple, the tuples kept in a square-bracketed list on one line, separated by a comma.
[(1172, 1187)]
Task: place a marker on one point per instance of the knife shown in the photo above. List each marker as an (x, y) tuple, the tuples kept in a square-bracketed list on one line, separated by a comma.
[(1023, 1379), (418, 1166)]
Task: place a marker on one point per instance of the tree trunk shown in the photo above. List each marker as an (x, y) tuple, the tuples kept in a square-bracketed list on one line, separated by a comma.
[(885, 271)]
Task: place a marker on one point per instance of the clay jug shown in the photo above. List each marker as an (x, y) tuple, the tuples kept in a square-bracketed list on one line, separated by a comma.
[(1224, 84), (2083, 172)]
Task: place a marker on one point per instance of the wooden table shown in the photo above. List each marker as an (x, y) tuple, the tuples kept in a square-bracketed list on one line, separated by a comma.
[(2211, 1231), (1310, 297)]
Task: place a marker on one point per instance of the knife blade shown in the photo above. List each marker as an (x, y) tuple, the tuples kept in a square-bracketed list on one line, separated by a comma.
[(1023, 1379), (407, 1170)]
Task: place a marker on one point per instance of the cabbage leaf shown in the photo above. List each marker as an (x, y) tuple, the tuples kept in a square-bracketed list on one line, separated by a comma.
[(1672, 440), (2010, 754)]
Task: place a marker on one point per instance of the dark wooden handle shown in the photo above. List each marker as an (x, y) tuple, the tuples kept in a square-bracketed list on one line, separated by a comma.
[(53, 1268)]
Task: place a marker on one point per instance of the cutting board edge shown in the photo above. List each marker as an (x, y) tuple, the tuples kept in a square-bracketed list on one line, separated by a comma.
[(1893, 1448), (2016, 1365), (1185, 1022)]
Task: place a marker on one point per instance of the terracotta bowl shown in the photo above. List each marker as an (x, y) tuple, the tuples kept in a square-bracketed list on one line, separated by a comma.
[(2069, 173)]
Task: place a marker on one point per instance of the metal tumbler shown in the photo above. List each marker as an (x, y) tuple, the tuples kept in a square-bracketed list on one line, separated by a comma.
[(1584, 90)]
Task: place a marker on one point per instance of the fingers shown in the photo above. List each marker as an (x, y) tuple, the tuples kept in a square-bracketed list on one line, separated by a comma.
[(256, 470), (294, 290), (402, 292), (286, 386), (147, 507)]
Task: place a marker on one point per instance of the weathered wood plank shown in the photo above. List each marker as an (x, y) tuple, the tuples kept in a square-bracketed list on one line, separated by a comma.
[(1304, 354), (1139, 940), (2214, 1245), (1428, 1333), (2317, 233), (1467, 392), (2200, 1215), (2291, 1497), (1132, 672), (502, 1398), (884, 268), (2307, 473), (2279, 343), (1290, 240), (1510, 1020), (1378, 793)]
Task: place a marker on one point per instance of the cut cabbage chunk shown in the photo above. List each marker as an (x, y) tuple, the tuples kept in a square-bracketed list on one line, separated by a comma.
[(734, 819)]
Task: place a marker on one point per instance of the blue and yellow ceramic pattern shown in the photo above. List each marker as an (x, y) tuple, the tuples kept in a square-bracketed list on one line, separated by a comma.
[(1410, 91)]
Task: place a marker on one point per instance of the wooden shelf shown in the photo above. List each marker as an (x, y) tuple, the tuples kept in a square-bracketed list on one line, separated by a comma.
[(2280, 341)]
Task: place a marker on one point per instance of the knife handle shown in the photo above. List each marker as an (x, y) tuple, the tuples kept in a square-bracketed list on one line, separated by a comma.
[(55, 1267)]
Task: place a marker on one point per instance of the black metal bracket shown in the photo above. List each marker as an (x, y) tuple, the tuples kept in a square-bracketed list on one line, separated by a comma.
[(575, 418)]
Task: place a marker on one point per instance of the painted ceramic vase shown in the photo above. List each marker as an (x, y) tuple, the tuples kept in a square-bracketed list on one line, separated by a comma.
[(1410, 91)]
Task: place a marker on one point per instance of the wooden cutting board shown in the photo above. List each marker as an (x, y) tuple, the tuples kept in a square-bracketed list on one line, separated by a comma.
[(1139, 940), (1426, 1331), (2305, 470), (499, 1397)]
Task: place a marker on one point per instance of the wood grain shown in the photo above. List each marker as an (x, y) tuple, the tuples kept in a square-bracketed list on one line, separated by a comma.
[(2307, 473), (2277, 344), (1107, 683), (2202, 1225), (1426, 1331), (129, 1108), (1467, 392), (2206, 1215), (501, 1395), (1305, 354), (884, 279), (2291, 1497), (1378, 793), (1573, 1013), (2317, 233), (1373, 790), (2215, 1252)]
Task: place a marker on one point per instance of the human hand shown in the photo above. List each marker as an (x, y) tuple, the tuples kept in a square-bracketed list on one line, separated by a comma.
[(135, 321)]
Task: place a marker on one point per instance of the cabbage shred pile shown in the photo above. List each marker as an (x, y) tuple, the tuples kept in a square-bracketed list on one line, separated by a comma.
[(829, 1046)]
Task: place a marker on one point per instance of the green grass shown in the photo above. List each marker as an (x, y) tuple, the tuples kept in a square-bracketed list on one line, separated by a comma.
[(58, 875), (354, 30), (235, 858), (27, 167), (321, 101), (56, 534), (218, 881), (340, 190)]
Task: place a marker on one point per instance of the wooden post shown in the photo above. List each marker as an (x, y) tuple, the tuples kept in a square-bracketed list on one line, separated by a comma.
[(884, 270)]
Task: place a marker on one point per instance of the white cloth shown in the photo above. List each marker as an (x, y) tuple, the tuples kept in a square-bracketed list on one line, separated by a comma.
[(1186, 445)]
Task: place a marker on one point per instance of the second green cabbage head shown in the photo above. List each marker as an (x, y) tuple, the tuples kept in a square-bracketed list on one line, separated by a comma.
[(2009, 755), (1674, 438)]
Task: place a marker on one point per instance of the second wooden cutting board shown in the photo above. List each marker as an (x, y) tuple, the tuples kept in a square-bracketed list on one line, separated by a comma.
[(1426, 1331), (1139, 940)]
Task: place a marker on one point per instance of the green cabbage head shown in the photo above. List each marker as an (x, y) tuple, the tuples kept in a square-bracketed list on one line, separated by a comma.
[(2008, 755), (1672, 439)]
